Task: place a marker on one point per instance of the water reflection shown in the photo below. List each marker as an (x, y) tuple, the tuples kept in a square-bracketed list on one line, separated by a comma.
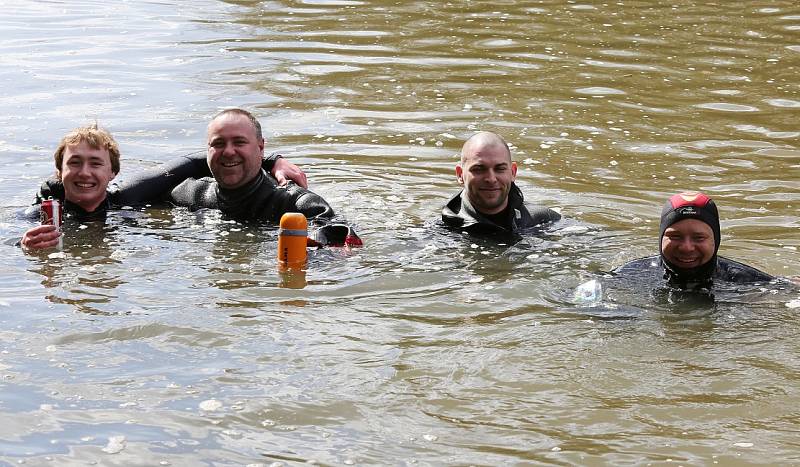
[(83, 272), (420, 347)]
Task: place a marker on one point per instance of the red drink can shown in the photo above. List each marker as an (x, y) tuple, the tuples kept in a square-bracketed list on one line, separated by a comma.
[(52, 212)]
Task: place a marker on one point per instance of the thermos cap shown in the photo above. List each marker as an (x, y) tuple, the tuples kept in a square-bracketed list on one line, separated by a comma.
[(294, 221)]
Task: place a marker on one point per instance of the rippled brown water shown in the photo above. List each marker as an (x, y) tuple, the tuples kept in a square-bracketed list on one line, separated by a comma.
[(175, 331)]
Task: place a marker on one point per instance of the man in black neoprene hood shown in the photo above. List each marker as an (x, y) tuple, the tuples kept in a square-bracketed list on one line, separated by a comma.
[(689, 241), (491, 204)]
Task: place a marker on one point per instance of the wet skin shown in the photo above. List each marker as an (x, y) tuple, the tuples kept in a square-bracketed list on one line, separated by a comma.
[(688, 243), (85, 173), (486, 171), (234, 150)]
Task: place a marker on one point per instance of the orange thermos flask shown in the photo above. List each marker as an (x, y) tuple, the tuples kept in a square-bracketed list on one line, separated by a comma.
[(292, 241)]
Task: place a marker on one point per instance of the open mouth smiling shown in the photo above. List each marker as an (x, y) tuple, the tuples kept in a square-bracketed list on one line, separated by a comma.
[(687, 261)]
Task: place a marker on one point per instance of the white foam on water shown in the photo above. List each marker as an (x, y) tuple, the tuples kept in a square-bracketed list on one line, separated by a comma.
[(115, 445), (210, 405)]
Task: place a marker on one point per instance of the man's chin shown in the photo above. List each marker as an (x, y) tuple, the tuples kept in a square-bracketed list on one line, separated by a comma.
[(490, 209), (85, 202), (231, 183), (489, 201), (82, 197)]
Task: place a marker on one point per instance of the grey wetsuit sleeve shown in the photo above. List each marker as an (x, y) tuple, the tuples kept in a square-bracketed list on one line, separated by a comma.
[(293, 198), (195, 194), (313, 206)]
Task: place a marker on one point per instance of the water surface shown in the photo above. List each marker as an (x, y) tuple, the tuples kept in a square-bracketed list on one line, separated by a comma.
[(165, 336)]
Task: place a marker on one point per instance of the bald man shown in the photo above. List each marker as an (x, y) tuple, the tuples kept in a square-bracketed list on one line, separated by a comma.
[(490, 203)]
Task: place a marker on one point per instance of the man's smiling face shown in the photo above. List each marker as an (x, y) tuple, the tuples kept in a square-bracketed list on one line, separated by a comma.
[(486, 171), (688, 244), (234, 150), (86, 172)]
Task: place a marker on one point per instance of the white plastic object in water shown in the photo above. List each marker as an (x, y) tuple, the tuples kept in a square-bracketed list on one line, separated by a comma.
[(589, 292)]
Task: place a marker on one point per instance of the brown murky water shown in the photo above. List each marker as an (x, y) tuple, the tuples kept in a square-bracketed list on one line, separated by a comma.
[(168, 337)]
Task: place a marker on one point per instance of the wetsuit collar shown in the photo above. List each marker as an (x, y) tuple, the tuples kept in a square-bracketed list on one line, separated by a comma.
[(699, 277), (460, 208), (73, 211), (233, 201)]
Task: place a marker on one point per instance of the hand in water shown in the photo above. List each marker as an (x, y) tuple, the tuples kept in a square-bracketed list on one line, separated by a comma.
[(43, 236), (284, 171)]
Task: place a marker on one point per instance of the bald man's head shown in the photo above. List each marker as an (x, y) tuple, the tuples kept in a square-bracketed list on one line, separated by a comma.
[(487, 172), (484, 140)]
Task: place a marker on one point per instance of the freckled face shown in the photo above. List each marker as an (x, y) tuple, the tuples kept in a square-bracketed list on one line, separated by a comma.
[(234, 150), (688, 243)]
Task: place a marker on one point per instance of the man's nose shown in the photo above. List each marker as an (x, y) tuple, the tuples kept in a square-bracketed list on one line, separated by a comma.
[(686, 244), (228, 150)]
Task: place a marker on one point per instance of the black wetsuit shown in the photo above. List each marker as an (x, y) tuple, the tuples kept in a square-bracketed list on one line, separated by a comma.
[(53, 188), (149, 186), (726, 270), (261, 199), (459, 214)]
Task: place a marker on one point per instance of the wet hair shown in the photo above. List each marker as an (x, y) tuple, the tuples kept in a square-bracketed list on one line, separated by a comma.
[(95, 137), (251, 117), (489, 139)]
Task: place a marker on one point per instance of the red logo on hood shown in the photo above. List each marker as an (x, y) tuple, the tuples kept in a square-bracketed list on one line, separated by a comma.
[(690, 198)]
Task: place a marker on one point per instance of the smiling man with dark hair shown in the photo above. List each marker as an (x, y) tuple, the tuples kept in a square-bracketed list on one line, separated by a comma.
[(240, 188)]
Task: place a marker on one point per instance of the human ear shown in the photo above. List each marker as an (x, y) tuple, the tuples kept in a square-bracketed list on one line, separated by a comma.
[(460, 174)]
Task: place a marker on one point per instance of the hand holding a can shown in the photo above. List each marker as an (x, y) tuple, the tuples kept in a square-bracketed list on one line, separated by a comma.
[(48, 234), (40, 237)]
